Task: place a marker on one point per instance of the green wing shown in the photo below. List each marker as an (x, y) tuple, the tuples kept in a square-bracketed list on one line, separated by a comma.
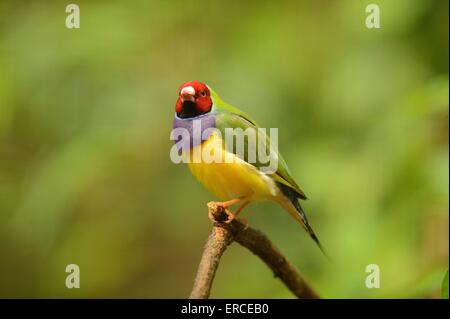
[(228, 116)]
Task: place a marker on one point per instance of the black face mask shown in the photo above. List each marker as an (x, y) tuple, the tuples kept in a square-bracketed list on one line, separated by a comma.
[(188, 110)]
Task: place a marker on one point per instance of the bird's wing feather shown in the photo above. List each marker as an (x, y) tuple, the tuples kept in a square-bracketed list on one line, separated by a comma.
[(228, 116)]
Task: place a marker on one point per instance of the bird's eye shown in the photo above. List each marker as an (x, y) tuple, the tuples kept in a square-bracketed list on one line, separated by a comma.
[(203, 93)]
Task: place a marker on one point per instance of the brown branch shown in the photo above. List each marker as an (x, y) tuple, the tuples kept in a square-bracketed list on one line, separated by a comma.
[(224, 234)]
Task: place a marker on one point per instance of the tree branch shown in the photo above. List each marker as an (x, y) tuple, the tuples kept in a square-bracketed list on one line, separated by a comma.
[(223, 234)]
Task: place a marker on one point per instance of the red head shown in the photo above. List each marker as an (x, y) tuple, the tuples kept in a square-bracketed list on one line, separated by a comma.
[(194, 98)]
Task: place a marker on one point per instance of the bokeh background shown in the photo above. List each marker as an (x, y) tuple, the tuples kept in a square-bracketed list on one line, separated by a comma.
[(85, 117)]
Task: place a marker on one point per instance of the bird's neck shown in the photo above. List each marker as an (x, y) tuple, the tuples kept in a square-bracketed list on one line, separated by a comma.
[(194, 128)]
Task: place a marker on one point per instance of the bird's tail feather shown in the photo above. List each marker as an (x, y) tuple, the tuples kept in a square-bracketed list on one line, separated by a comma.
[(301, 217), (292, 205)]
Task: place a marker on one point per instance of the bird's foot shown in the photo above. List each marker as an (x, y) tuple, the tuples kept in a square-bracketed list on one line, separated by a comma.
[(228, 203), (231, 216), (224, 216)]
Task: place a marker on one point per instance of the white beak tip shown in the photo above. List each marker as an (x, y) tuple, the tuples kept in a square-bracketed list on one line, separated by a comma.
[(188, 90)]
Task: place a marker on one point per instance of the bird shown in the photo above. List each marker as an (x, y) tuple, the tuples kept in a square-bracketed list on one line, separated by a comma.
[(239, 181)]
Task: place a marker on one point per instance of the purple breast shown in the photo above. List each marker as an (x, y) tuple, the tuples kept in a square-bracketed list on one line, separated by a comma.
[(192, 130)]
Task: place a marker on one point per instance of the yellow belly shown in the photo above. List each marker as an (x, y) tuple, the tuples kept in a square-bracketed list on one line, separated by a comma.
[(231, 180)]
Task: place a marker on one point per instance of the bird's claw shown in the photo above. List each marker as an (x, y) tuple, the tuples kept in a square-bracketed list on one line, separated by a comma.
[(230, 216), (221, 217)]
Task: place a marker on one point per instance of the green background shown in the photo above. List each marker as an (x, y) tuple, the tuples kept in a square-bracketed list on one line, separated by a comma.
[(85, 118)]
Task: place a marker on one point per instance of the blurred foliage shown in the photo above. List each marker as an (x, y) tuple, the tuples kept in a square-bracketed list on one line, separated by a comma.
[(85, 116), (444, 293)]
